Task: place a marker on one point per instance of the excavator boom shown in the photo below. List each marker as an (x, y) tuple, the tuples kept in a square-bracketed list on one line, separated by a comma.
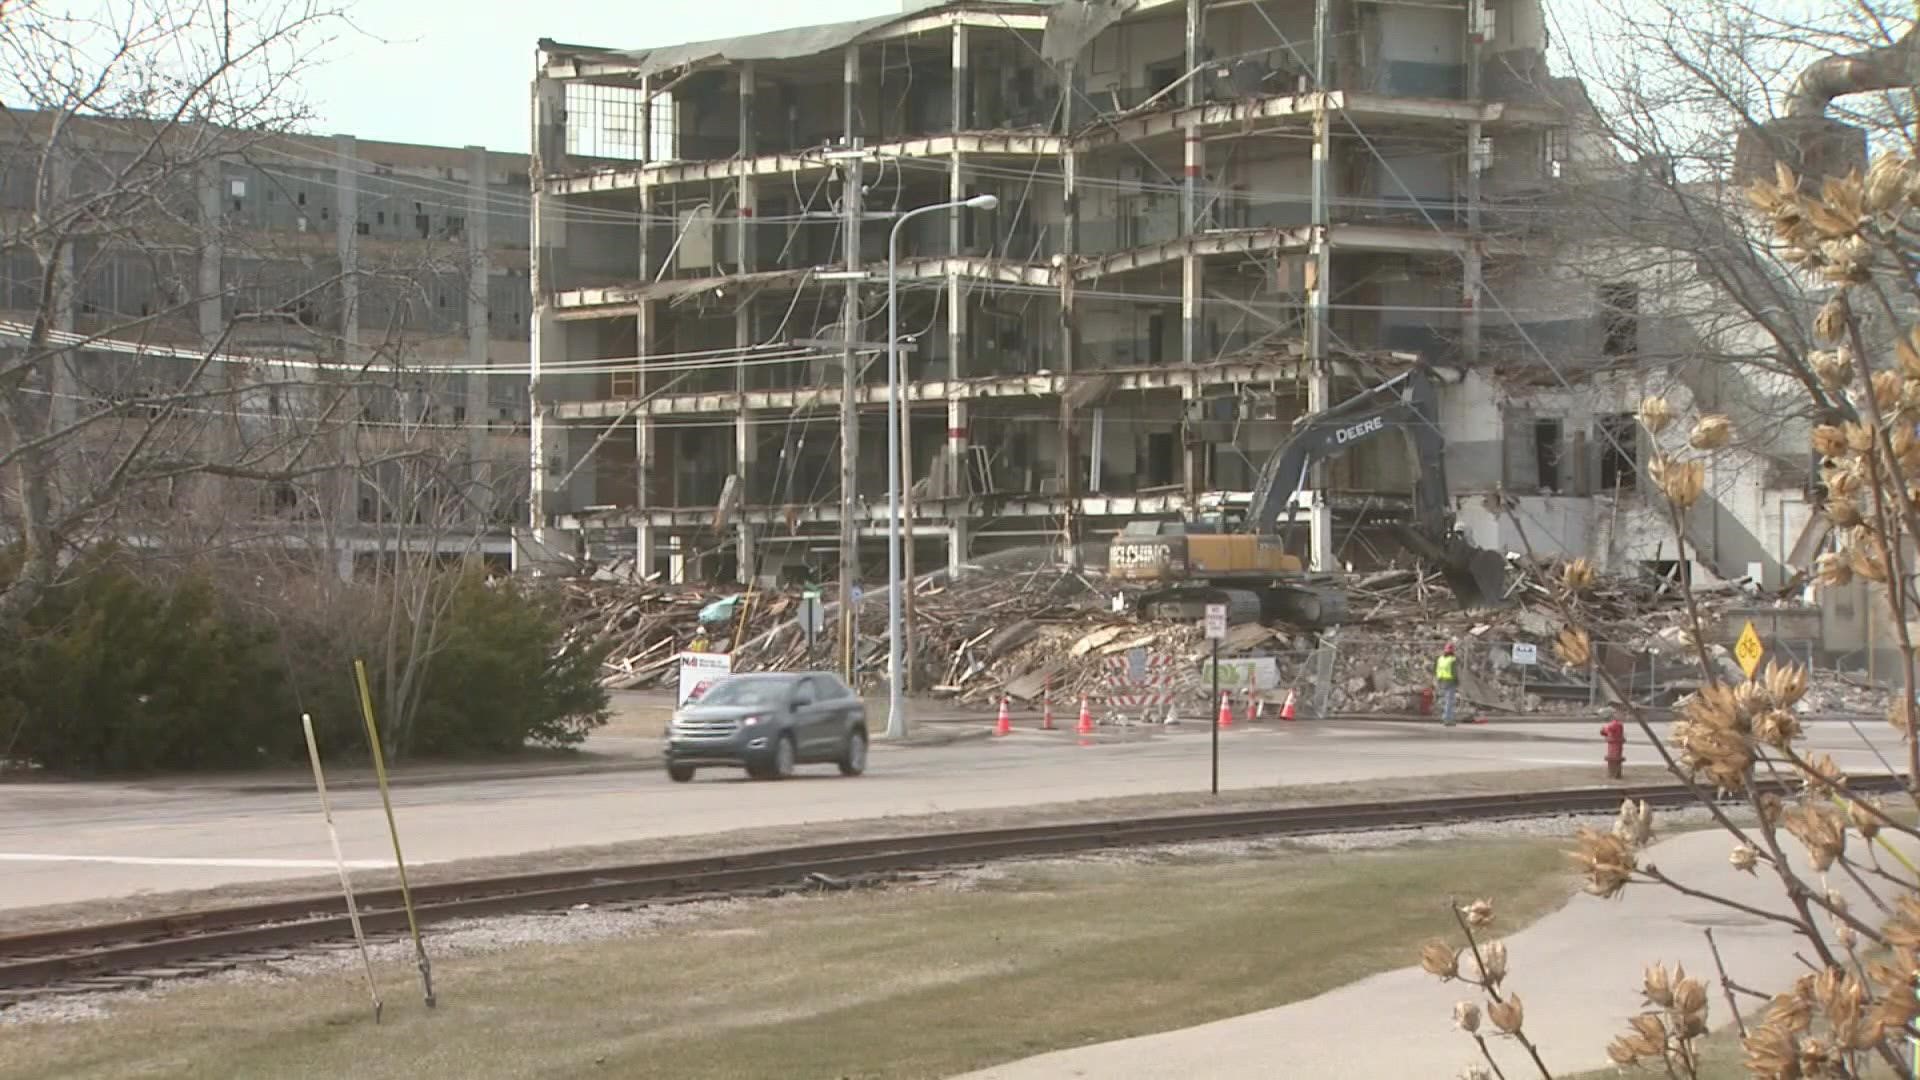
[(1192, 562)]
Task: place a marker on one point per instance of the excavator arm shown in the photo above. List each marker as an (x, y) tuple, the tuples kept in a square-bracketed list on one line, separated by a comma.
[(1407, 403)]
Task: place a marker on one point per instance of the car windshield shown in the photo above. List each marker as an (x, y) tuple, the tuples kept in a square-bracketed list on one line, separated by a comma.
[(745, 692)]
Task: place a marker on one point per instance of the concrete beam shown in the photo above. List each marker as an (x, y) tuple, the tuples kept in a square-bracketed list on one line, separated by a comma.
[(931, 391), (659, 174)]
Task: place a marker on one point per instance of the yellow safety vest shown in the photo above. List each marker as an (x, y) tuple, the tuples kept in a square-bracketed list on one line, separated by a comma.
[(1443, 668)]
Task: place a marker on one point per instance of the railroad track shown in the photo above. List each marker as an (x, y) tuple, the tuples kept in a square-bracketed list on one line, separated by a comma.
[(138, 952)]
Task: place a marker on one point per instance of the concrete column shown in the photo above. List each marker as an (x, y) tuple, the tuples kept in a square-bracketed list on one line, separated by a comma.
[(676, 560), (343, 563), (209, 307), (643, 459), (1193, 347), (346, 236), (1069, 323), (549, 112), (479, 331), (746, 552), (1319, 373), (1471, 270), (959, 542)]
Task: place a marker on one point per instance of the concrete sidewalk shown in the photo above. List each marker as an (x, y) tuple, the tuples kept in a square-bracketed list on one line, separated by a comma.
[(1578, 972)]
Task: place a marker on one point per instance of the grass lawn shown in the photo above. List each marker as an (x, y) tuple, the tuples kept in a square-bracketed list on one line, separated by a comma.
[(918, 982)]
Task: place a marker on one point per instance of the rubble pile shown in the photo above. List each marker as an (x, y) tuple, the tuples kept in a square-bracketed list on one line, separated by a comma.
[(1039, 629)]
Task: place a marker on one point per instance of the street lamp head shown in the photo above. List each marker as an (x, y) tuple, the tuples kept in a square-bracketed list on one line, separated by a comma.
[(982, 202)]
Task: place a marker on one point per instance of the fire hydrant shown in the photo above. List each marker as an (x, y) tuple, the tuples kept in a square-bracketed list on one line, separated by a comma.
[(1424, 701), (1615, 733)]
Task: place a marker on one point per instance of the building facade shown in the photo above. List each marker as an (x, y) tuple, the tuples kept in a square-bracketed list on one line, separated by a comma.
[(293, 259)]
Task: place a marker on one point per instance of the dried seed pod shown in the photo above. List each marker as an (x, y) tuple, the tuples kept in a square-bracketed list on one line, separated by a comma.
[(1573, 647), (1478, 914), (1785, 684), (1829, 441), (1833, 367), (1466, 1016), (1869, 558), (1507, 1015), (1440, 960), (1743, 858), (1607, 861), (1710, 433), (1682, 482), (1655, 414), (1834, 569), (1860, 435), (1493, 963), (1886, 394), (1689, 996), (1831, 322), (1657, 986), (1886, 183), (1821, 830), (1843, 512), (1577, 576)]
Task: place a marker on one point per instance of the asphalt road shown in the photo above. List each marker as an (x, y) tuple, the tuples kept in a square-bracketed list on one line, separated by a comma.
[(61, 842)]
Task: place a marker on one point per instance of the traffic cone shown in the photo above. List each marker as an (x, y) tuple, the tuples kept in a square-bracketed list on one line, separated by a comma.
[(1004, 725), (1286, 710), (1046, 712), (1226, 710), (1086, 717)]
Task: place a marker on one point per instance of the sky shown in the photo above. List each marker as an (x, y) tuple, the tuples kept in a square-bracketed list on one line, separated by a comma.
[(458, 72)]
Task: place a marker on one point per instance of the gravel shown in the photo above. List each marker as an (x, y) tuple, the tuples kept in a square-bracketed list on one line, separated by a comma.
[(470, 937)]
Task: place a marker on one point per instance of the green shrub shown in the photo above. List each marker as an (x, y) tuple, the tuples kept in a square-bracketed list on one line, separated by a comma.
[(114, 672), (110, 672), (495, 682)]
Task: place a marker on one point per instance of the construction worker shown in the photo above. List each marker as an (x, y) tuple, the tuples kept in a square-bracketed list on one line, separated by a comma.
[(1615, 733), (700, 642), (1446, 675)]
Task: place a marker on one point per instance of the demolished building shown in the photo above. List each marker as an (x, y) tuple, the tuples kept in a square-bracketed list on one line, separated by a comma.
[(1212, 219)]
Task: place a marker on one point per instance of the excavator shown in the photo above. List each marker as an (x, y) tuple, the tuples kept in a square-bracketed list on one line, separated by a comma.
[(1220, 556)]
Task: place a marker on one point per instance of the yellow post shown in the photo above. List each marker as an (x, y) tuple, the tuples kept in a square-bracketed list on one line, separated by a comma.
[(380, 775)]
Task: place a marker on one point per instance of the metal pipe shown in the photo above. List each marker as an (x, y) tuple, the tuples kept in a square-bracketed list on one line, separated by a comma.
[(896, 695), (1886, 68)]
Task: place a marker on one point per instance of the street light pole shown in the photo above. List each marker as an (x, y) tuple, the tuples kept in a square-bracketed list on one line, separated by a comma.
[(896, 693)]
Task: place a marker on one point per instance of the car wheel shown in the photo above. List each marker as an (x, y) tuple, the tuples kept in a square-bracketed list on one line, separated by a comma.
[(679, 774), (783, 758), (853, 760)]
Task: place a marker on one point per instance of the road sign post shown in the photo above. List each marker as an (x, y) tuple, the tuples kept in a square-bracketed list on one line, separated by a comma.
[(1749, 650), (812, 617), (1216, 628), (1525, 655)]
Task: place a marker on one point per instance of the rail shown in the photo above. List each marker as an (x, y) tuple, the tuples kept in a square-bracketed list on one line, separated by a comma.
[(139, 951)]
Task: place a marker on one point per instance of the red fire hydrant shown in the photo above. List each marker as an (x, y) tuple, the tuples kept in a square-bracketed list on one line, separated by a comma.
[(1424, 703), (1615, 733)]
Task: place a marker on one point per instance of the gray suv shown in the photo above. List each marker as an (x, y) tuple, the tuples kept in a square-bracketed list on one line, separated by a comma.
[(768, 724)]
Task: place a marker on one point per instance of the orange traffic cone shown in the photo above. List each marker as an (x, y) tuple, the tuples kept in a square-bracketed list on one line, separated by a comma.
[(1004, 725), (1086, 717), (1226, 710), (1286, 710), (1046, 712)]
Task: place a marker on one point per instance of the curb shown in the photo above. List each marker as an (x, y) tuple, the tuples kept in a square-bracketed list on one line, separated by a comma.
[(528, 772)]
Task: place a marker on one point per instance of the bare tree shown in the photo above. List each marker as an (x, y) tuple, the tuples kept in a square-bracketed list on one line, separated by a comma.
[(1847, 887), (117, 118), (1674, 97)]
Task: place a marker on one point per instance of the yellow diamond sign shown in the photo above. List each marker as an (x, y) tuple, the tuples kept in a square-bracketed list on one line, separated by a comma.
[(1748, 650)]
